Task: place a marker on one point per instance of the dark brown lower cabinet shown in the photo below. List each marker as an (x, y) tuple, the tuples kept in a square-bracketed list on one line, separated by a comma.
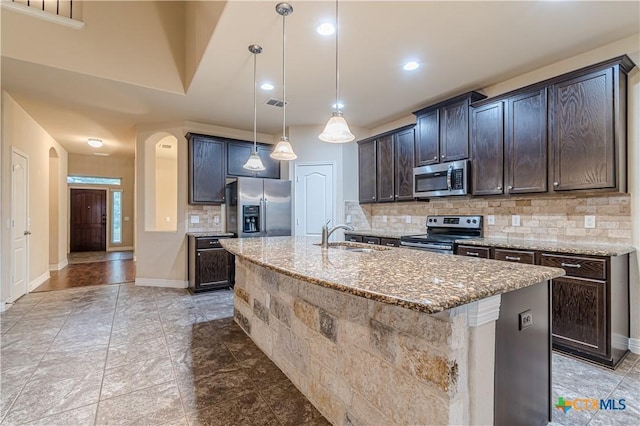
[(353, 238), (211, 267)]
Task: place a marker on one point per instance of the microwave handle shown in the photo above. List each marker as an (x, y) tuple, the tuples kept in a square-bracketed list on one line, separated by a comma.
[(449, 173)]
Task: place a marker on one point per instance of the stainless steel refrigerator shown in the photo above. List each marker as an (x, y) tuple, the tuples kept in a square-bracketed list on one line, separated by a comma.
[(259, 207)]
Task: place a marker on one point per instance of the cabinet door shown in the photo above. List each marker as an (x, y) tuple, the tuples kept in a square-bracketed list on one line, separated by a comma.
[(578, 315), (367, 171), (384, 165), (454, 131), (582, 132), (487, 149), (526, 143), (239, 152), (404, 150), (212, 267), (428, 139), (206, 170)]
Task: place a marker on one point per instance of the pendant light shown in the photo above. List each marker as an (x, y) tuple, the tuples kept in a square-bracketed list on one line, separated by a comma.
[(337, 129), (283, 149), (254, 163)]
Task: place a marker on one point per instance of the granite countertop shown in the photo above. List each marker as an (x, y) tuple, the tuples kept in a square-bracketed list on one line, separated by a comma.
[(419, 280), (383, 233), (553, 246), (211, 234)]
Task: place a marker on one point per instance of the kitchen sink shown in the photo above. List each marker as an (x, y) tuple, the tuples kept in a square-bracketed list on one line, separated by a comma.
[(356, 247), (360, 249)]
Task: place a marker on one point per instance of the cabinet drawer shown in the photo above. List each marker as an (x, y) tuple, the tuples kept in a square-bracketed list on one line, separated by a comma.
[(390, 242), (371, 240), (583, 267), (353, 238), (483, 252), (515, 256), (208, 242)]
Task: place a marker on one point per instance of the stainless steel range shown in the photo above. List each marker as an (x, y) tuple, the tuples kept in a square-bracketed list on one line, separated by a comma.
[(442, 231)]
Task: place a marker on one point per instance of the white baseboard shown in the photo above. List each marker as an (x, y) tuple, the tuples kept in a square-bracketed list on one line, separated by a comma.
[(59, 266), (157, 282), (634, 346), (120, 248), (35, 283)]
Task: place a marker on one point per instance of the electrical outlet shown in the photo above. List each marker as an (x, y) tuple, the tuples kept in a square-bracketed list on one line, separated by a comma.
[(590, 222), (407, 219), (167, 219), (491, 220), (384, 218), (195, 218), (216, 219), (348, 218), (525, 319), (126, 218), (515, 220)]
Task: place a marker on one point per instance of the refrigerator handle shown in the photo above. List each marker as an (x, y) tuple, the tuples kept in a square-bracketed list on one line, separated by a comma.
[(263, 215)]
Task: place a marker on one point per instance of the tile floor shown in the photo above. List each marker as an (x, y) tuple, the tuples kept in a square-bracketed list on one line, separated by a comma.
[(122, 354)]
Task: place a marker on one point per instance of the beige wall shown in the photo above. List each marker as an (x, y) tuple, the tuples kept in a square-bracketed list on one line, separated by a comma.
[(19, 130), (116, 167), (629, 210), (166, 193)]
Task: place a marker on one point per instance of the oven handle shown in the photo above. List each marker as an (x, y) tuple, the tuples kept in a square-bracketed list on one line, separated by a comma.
[(449, 173), (425, 246)]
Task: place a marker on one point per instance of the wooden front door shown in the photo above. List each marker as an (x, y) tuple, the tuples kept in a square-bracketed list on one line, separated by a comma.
[(88, 220)]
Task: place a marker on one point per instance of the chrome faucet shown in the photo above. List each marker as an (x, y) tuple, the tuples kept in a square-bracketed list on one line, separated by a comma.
[(326, 232)]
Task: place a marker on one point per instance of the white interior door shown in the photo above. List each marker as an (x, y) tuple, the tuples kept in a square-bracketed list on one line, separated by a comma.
[(315, 197), (19, 225)]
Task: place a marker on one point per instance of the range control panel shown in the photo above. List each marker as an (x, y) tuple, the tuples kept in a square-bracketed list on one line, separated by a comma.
[(468, 222)]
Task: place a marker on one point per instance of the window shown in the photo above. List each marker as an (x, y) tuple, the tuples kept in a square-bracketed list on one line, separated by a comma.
[(93, 180), (116, 217)]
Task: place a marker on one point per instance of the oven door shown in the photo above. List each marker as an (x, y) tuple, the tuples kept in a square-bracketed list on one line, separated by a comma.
[(435, 248), (440, 180)]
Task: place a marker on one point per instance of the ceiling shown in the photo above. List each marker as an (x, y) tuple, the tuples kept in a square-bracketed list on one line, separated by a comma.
[(461, 46)]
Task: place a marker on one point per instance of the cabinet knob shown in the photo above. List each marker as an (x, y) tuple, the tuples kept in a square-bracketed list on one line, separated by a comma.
[(435, 158), (509, 187), (373, 198), (555, 184), (442, 156), (499, 188)]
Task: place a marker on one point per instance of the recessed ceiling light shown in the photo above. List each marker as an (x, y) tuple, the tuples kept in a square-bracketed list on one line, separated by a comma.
[(410, 66), (326, 29), (96, 143), (337, 106), (267, 86), (101, 154)]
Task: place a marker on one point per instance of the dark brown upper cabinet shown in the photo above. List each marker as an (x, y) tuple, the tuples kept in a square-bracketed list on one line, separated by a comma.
[(487, 149), (443, 130), (237, 154), (525, 142), (207, 169), (367, 192), (404, 162), (385, 175), (583, 131)]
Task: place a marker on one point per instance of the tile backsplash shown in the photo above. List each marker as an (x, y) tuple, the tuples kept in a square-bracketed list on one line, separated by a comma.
[(541, 218), (206, 218)]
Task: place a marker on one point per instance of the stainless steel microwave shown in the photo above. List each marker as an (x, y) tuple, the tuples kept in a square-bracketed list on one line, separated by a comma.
[(440, 180)]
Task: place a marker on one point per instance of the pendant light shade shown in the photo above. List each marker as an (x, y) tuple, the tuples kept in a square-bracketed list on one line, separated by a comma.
[(254, 163), (337, 129), (283, 149)]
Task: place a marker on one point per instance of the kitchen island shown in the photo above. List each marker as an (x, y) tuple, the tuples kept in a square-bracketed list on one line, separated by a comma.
[(377, 335)]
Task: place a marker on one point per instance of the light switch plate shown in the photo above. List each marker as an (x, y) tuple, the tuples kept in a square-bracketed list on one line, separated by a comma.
[(167, 219), (216, 219), (589, 221), (407, 219), (384, 218), (126, 218), (348, 218), (525, 319), (491, 220), (515, 220), (195, 218)]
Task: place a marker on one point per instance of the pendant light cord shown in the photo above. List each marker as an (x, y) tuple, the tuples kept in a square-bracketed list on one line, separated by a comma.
[(255, 108), (337, 62), (284, 86)]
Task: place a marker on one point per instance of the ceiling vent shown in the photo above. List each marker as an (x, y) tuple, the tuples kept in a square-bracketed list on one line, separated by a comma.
[(275, 102)]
